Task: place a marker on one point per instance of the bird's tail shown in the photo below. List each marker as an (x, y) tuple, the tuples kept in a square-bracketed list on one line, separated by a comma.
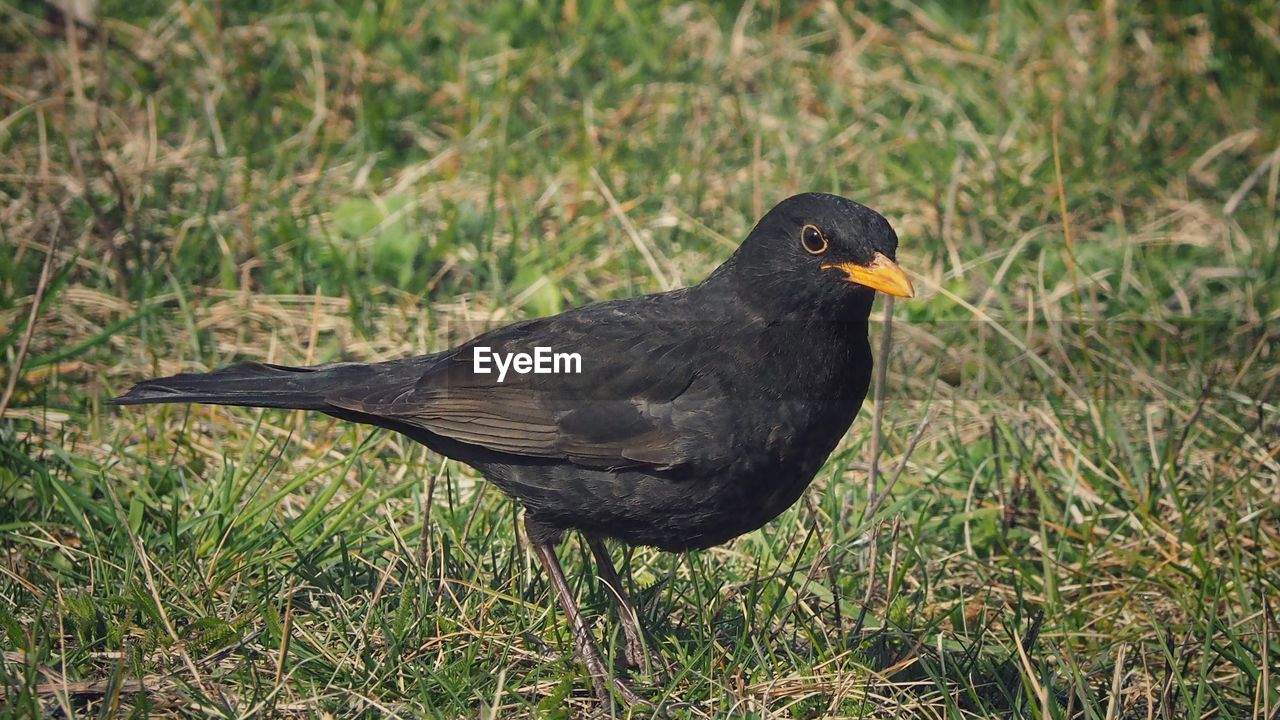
[(246, 385)]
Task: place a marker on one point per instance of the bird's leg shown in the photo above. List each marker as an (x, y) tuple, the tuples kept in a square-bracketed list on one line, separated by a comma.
[(634, 654), (586, 646)]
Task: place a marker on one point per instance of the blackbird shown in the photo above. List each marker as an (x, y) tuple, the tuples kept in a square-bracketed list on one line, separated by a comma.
[(677, 420)]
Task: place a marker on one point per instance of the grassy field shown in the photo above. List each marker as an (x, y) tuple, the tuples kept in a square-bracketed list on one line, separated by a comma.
[(1081, 410)]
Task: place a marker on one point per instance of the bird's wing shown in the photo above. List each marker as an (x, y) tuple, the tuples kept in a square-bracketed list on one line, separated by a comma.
[(639, 400)]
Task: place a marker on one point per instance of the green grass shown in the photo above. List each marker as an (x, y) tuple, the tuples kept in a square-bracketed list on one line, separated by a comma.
[(1087, 527)]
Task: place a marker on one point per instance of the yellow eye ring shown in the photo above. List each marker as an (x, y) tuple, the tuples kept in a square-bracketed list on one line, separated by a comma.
[(814, 242)]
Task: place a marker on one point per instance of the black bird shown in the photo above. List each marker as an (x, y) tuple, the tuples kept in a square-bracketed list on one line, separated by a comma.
[(697, 415)]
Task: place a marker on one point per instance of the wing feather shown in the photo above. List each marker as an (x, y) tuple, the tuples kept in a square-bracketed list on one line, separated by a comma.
[(637, 402)]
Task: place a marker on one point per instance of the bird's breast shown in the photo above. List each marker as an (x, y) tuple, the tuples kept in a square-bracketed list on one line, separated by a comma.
[(786, 431)]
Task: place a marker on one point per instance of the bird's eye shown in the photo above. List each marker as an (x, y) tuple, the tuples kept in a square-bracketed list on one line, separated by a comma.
[(813, 240)]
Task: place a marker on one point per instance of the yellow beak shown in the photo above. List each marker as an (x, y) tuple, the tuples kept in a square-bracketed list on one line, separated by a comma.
[(880, 274)]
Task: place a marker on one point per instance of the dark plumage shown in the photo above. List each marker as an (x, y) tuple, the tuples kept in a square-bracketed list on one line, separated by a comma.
[(699, 414)]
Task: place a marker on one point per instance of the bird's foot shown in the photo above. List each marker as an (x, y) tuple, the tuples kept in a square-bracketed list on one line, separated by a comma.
[(628, 695), (635, 657), (602, 681)]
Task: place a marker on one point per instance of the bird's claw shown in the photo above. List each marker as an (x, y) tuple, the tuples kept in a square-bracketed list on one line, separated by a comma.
[(634, 657)]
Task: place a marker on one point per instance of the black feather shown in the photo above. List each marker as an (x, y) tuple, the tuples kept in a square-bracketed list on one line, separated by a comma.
[(246, 385)]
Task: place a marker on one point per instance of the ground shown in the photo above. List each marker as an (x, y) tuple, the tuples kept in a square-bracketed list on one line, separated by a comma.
[(1074, 450)]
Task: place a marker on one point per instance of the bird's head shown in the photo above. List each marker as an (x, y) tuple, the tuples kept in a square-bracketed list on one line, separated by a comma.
[(821, 252)]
